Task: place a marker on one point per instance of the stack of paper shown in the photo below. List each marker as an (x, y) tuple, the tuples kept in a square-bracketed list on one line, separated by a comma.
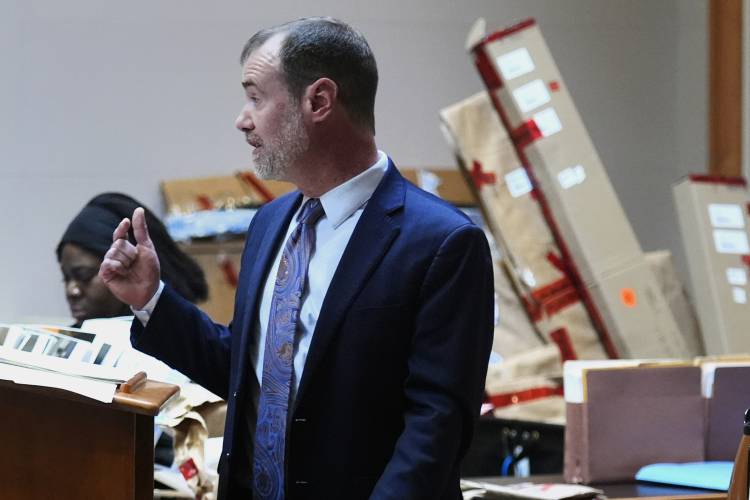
[(62, 358)]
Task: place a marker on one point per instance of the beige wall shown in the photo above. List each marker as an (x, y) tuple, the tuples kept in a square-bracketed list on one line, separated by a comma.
[(99, 96)]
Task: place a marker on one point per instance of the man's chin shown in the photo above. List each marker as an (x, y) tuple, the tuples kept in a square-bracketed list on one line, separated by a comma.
[(266, 173)]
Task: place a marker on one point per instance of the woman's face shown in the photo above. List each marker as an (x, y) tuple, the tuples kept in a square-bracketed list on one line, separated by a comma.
[(88, 297)]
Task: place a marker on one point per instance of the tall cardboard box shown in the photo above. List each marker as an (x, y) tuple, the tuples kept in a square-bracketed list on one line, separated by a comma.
[(713, 218), (578, 202)]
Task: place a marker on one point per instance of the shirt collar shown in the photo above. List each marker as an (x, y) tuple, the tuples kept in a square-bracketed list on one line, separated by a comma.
[(342, 201)]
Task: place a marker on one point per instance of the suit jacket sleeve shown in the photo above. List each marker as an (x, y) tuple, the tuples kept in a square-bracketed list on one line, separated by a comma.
[(185, 338), (447, 369)]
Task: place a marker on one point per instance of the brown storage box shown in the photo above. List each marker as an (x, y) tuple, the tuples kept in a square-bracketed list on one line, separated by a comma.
[(635, 310), (713, 218), (220, 262), (183, 196), (578, 202), (448, 184), (674, 292), (623, 418)]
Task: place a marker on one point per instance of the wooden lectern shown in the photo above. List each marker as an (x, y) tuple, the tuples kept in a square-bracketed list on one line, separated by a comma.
[(59, 445)]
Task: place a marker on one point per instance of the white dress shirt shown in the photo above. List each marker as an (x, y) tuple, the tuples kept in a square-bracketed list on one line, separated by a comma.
[(343, 206)]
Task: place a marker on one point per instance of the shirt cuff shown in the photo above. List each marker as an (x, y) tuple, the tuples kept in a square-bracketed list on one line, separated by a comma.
[(144, 314)]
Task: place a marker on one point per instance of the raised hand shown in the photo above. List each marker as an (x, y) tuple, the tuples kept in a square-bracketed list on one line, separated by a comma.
[(131, 272)]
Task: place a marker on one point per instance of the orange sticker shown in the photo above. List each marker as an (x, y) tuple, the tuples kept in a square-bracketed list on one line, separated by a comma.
[(628, 297)]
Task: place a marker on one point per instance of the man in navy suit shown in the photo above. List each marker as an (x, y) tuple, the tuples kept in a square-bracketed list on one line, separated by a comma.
[(376, 391)]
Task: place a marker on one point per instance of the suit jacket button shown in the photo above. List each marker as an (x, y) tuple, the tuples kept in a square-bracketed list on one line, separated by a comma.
[(300, 420), (301, 483), (234, 395)]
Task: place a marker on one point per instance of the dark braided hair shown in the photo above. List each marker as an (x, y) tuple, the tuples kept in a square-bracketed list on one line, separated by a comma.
[(92, 230)]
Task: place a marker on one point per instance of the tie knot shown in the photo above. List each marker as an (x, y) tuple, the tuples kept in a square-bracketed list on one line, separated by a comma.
[(311, 211)]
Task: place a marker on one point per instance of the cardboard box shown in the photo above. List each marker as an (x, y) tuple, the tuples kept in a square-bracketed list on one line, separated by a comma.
[(184, 196), (674, 291), (577, 200), (220, 262), (448, 184), (558, 151), (514, 217), (636, 313), (623, 415), (713, 219)]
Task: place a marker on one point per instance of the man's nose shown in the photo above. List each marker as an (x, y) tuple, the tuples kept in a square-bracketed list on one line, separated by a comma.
[(244, 121)]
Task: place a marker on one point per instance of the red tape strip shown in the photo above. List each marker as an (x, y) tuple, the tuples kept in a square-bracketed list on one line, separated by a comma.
[(512, 398), (230, 273), (256, 184), (204, 202), (491, 79), (525, 134), (564, 344), (480, 177), (498, 35), (718, 179)]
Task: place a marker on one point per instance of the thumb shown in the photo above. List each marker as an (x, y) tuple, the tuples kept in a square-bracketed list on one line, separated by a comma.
[(140, 229)]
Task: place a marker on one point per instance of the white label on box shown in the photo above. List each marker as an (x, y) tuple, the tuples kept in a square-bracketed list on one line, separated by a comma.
[(726, 215), (515, 63), (731, 241), (571, 176), (428, 181), (736, 276), (531, 96), (548, 122), (528, 277), (518, 182), (739, 295)]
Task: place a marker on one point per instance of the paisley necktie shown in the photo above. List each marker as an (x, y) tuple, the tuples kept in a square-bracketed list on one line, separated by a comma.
[(273, 404)]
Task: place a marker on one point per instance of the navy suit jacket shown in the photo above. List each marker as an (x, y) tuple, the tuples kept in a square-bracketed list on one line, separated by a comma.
[(395, 373)]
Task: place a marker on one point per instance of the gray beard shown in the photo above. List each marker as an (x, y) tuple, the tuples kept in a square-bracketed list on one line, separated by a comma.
[(280, 153)]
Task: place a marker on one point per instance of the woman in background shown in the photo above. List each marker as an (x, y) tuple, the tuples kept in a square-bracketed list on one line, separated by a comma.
[(87, 239)]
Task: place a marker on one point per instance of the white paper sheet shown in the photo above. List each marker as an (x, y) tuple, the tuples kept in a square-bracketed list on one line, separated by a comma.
[(94, 389)]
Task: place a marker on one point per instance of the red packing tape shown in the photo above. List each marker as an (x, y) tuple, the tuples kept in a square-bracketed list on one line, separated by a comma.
[(204, 202), (498, 35), (512, 398), (557, 261), (717, 179), (551, 299), (564, 344), (257, 184), (230, 273), (525, 134), (491, 78), (481, 178), (544, 292)]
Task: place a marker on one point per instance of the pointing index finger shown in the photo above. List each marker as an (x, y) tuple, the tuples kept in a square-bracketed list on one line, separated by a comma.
[(121, 231)]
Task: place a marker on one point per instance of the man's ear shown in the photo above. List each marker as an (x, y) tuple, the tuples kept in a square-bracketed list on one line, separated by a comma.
[(320, 98)]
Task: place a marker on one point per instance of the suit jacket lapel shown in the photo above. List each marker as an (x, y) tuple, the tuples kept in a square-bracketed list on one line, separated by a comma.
[(268, 240), (372, 237)]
